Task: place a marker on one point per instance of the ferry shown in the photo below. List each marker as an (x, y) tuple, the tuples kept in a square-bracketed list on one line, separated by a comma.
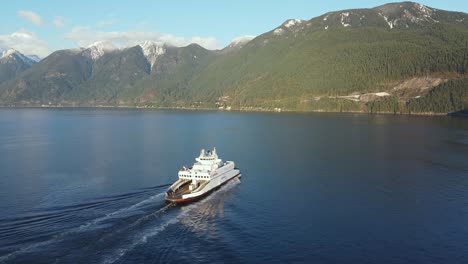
[(207, 174)]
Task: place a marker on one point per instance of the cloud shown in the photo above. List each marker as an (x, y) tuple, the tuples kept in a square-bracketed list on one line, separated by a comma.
[(59, 21), (25, 42), (31, 17), (85, 36)]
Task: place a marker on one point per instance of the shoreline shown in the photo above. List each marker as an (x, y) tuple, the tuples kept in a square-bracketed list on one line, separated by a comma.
[(247, 110)]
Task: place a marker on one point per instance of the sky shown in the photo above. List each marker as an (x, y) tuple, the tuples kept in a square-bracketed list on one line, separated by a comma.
[(41, 27)]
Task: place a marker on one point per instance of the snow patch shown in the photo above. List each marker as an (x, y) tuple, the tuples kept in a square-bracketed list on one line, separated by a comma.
[(12, 53), (152, 50), (381, 94), (99, 48), (325, 18), (8, 52), (416, 14), (292, 22), (426, 11), (390, 23), (278, 31), (242, 40), (345, 19), (326, 27)]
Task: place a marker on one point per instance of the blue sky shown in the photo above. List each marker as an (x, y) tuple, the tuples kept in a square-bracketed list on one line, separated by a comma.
[(40, 27)]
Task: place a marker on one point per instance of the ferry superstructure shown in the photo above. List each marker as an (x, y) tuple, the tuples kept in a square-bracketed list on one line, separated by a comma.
[(208, 173)]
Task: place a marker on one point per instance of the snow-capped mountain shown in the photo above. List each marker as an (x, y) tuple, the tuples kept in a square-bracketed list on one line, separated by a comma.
[(12, 63), (343, 52), (99, 48), (34, 57), (152, 50), (12, 54), (239, 42), (290, 25), (404, 15)]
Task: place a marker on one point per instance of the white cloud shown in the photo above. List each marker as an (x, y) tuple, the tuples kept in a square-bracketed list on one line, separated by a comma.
[(31, 17), (59, 21), (85, 36), (25, 42)]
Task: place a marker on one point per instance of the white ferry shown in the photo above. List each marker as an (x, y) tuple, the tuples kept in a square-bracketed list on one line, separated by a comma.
[(207, 174)]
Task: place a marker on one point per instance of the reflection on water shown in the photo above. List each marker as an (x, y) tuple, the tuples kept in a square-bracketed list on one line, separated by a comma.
[(204, 219), (87, 186)]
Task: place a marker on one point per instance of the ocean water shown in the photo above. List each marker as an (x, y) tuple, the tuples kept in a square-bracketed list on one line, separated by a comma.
[(87, 186)]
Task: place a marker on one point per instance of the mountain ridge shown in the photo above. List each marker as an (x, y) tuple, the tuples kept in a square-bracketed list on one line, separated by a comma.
[(13, 63), (330, 57)]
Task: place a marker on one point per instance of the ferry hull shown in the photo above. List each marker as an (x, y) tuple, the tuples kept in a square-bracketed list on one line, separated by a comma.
[(201, 196)]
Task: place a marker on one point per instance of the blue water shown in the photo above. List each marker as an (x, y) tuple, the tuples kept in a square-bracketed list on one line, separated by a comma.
[(87, 186)]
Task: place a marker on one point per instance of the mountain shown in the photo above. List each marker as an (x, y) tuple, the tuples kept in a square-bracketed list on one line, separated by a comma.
[(13, 62), (98, 49), (399, 57), (112, 75), (102, 74), (322, 64), (152, 51)]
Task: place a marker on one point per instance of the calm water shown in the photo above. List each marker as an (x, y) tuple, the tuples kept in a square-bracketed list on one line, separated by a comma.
[(86, 186)]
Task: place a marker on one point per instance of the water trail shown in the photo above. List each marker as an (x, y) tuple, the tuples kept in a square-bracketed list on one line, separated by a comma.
[(122, 251), (143, 238), (84, 227), (54, 212), (18, 224), (138, 222), (115, 213)]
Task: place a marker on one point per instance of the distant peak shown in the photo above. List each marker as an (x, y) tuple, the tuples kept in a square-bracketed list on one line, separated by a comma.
[(292, 22), (405, 7), (8, 52), (12, 53), (149, 43), (99, 48), (405, 14), (290, 25), (105, 45), (152, 50), (241, 40)]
